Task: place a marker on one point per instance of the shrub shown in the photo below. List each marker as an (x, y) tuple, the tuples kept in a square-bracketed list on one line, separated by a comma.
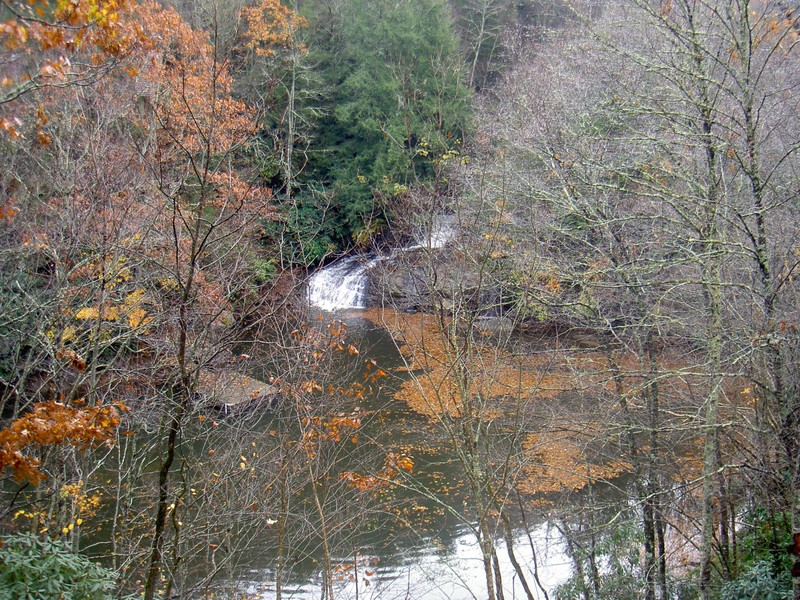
[(35, 569), (759, 583)]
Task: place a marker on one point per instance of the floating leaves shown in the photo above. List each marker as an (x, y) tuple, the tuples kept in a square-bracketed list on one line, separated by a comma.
[(557, 461)]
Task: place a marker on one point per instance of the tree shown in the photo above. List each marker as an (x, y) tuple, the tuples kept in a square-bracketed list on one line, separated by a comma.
[(483, 23), (59, 45), (657, 227), (153, 262), (385, 112)]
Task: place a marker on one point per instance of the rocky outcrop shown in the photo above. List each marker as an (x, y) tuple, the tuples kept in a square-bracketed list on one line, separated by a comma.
[(401, 281), (427, 279), (232, 391)]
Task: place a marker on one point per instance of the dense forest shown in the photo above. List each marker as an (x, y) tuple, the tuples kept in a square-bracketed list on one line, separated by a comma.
[(606, 342)]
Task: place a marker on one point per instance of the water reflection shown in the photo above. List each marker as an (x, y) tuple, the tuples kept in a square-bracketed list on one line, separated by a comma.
[(442, 568), (437, 557)]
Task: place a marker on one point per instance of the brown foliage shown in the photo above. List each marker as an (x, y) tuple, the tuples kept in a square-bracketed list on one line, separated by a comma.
[(49, 424), (271, 25)]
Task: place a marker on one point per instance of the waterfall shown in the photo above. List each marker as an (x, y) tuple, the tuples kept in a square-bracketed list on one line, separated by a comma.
[(434, 235), (440, 231), (343, 283)]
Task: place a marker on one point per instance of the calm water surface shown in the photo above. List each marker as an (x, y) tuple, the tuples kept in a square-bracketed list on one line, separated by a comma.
[(440, 562)]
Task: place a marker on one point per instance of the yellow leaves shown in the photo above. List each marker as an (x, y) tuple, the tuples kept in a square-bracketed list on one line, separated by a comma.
[(92, 313), (87, 313), (130, 310), (135, 297), (136, 315), (398, 189), (445, 158), (138, 318), (169, 283), (122, 275)]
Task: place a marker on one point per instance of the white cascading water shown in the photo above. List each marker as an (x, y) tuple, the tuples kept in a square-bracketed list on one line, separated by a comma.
[(442, 229), (343, 284)]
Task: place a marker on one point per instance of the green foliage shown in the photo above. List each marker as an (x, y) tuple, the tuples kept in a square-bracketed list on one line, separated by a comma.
[(765, 538), (394, 98), (313, 226), (766, 561), (34, 569), (619, 553), (759, 582), (264, 270)]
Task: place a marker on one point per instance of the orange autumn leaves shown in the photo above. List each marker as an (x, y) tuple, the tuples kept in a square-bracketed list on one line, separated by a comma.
[(191, 88), (394, 464), (176, 72), (104, 25), (57, 44), (271, 25), (49, 424), (140, 66), (494, 374), (557, 462)]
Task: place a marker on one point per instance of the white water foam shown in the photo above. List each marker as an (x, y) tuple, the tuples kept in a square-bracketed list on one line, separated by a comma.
[(343, 283), (434, 235), (340, 285)]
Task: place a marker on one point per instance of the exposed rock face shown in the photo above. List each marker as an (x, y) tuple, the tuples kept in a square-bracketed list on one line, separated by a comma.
[(496, 328), (402, 282), (428, 279), (233, 390)]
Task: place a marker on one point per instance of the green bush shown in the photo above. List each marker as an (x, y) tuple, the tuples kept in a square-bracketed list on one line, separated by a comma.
[(34, 569), (759, 582)]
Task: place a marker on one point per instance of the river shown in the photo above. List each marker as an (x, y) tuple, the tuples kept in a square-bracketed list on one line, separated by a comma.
[(414, 539), (438, 558)]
